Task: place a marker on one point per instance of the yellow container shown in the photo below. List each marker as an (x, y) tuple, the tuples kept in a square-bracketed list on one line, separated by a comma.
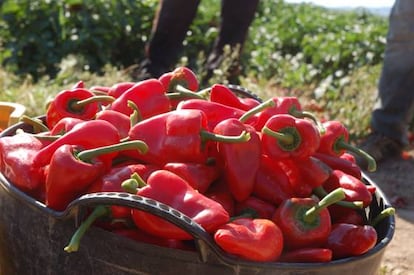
[(10, 113)]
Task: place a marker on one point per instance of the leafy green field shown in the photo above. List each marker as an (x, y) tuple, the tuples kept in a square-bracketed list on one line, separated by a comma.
[(330, 59)]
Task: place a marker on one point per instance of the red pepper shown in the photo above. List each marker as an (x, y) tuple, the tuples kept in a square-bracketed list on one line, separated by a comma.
[(348, 156), (78, 103), (346, 240), (16, 162), (263, 209), (181, 84), (372, 189), (284, 105), (79, 85), (355, 189), (351, 158), (148, 95), (299, 187), (64, 125), (339, 163), (121, 121), (307, 255), (241, 160), (304, 175), (176, 136), (72, 171), (341, 214), (118, 89), (215, 112), (306, 222), (335, 141), (258, 240), (249, 102), (68, 177), (285, 136), (199, 175), (220, 193), (182, 76), (112, 181), (271, 182), (166, 187), (222, 94), (88, 134), (313, 171)]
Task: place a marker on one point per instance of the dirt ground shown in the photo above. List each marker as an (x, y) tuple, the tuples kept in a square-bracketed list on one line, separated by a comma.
[(395, 177)]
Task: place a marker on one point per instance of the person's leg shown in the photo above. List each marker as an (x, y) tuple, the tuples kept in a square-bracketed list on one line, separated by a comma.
[(395, 105), (236, 17), (171, 23)]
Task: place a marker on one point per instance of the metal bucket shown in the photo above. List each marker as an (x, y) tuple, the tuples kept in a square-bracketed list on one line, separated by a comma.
[(32, 238)]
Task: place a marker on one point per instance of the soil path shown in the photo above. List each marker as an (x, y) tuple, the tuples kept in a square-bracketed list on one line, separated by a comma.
[(395, 177)]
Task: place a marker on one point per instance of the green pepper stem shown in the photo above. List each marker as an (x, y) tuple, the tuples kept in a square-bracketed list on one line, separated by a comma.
[(79, 104), (37, 124), (243, 137), (333, 197), (74, 243), (267, 104), (136, 115), (132, 184), (99, 93), (182, 92), (372, 164), (389, 211), (284, 138), (321, 193), (88, 155), (125, 139), (304, 114), (205, 92), (46, 137)]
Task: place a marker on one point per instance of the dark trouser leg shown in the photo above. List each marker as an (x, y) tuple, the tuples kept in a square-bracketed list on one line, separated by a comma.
[(170, 27), (395, 106), (236, 17)]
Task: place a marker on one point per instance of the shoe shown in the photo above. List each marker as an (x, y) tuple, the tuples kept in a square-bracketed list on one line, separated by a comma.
[(379, 147), (226, 63), (147, 70), (140, 75)]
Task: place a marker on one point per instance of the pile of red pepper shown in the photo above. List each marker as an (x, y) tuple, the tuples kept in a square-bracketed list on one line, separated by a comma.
[(269, 181)]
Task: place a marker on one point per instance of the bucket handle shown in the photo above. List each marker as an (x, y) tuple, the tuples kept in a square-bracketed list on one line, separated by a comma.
[(204, 241), (243, 92)]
